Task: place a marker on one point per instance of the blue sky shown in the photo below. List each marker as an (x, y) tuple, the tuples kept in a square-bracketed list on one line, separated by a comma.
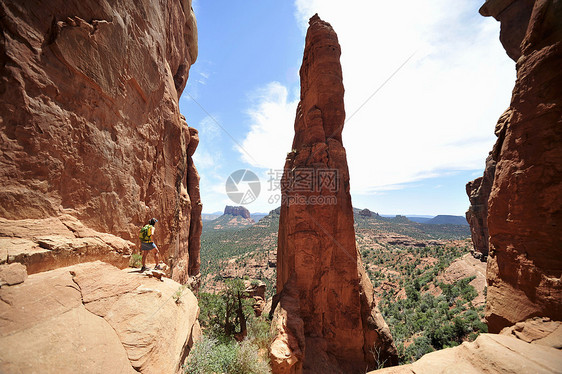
[(411, 148)]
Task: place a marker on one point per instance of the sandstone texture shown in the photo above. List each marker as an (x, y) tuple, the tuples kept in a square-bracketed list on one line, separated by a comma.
[(256, 290), (324, 314), (89, 119), (525, 204), (489, 353), (478, 192), (237, 211), (537, 330), (95, 318), (12, 274), (50, 243)]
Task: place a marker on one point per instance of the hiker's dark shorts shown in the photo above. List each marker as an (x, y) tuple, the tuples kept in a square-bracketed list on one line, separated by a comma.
[(147, 246)]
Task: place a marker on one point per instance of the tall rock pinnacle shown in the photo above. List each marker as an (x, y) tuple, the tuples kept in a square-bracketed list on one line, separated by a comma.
[(325, 314)]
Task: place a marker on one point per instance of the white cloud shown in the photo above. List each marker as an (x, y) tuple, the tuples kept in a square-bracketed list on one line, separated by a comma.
[(271, 130), (205, 160), (435, 115), (209, 127)]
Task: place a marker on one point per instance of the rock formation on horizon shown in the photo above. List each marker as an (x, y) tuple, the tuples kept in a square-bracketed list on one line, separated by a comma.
[(90, 124), (237, 211), (324, 314), (524, 216)]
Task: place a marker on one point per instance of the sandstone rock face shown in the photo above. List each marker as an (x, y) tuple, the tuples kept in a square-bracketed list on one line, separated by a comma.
[(489, 353), (538, 330), (478, 192), (95, 318), (325, 314), (525, 204), (237, 211), (90, 123), (514, 17)]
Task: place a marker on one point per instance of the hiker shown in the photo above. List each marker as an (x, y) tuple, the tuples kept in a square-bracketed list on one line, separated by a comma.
[(148, 245)]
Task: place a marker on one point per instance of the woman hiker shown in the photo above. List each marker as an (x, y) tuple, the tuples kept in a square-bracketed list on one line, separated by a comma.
[(147, 244)]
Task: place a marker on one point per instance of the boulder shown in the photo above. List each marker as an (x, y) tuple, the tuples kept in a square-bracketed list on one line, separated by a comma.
[(11, 274), (93, 318)]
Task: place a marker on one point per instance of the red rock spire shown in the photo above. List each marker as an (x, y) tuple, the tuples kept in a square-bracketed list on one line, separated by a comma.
[(326, 314)]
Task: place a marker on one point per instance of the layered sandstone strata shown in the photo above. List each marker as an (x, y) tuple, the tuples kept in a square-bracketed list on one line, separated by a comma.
[(525, 204), (90, 123), (325, 314)]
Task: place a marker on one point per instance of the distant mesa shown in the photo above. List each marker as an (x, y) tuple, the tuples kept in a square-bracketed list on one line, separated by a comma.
[(365, 213), (237, 211), (448, 220), (441, 219)]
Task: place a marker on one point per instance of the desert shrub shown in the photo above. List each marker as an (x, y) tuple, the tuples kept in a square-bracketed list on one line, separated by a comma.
[(135, 260), (259, 333), (219, 314), (248, 360), (210, 356), (420, 347)]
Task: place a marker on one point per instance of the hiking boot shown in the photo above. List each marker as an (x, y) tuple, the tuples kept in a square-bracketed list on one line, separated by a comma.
[(143, 269), (157, 267)]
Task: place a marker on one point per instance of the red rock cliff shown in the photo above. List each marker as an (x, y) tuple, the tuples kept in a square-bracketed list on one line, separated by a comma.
[(90, 122), (525, 204), (326, 318)]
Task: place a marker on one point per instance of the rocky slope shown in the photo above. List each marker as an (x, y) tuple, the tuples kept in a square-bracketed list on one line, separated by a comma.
[(489, 353), (90, 124), (325, 314), (525, 202), (94, 318)]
